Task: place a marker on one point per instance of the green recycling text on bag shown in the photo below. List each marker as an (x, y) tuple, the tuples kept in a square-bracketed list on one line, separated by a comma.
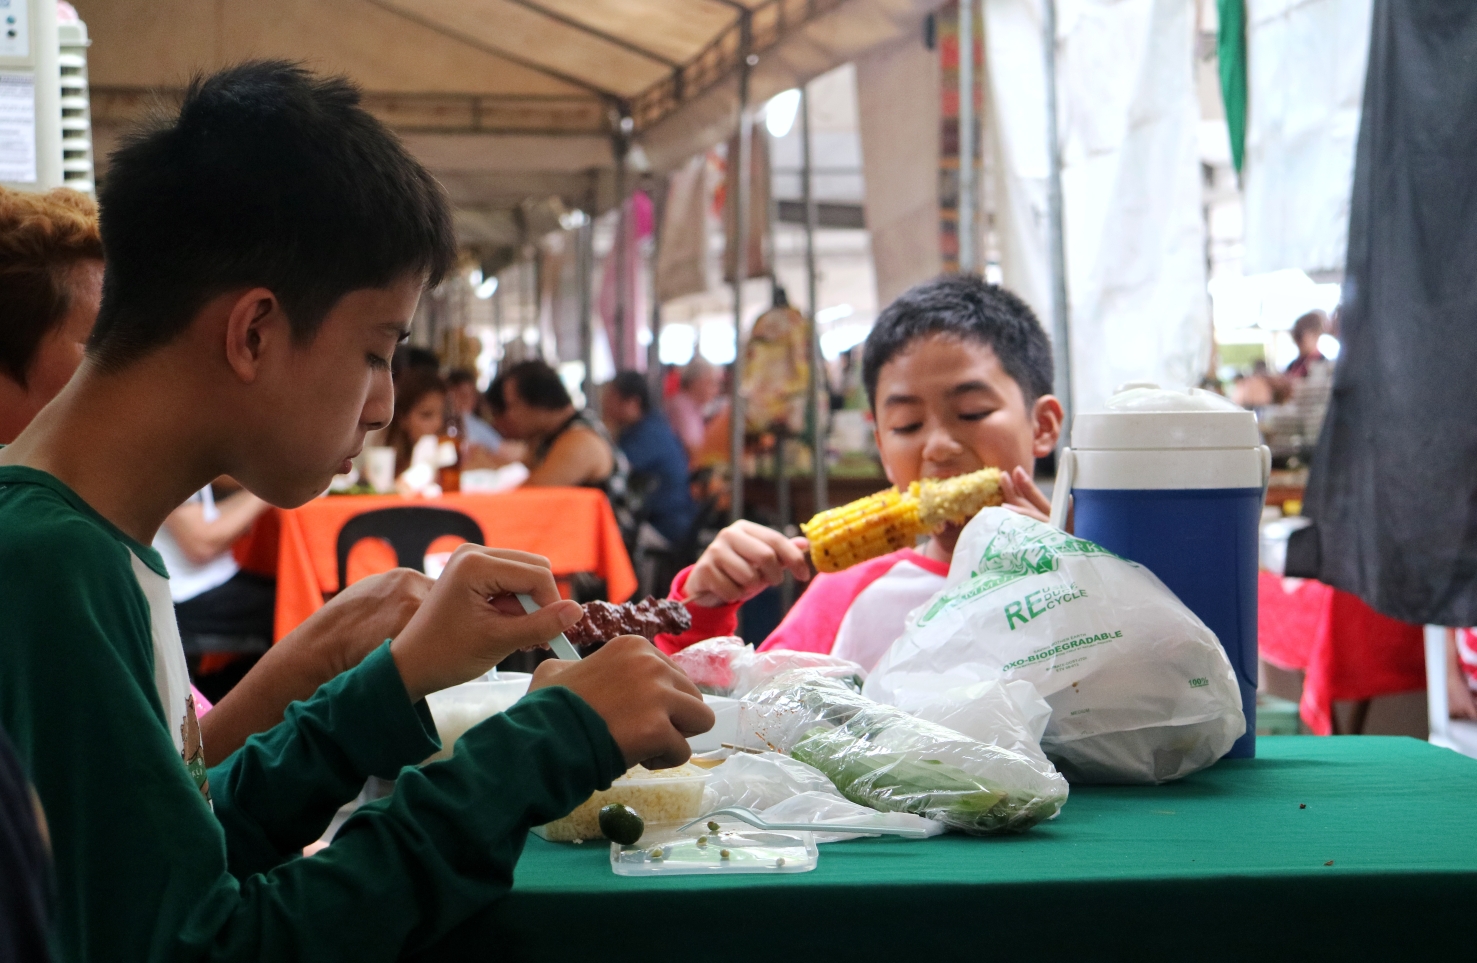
[(1139, 688)]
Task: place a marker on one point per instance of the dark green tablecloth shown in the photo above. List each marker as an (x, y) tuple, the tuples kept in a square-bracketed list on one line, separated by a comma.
[(1222, 865)]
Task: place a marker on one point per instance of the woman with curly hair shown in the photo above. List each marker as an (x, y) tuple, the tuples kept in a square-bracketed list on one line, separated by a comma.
[(51, 277)]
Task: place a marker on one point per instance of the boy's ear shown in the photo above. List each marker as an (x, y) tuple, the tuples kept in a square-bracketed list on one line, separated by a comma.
[(1046, 425), (253, 320)]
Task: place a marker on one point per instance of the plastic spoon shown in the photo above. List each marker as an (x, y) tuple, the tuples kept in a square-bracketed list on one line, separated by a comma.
[(560, 643)]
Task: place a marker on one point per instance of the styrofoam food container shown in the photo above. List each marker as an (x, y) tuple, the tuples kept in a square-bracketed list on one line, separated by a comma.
[(725, 729), (459, 708)]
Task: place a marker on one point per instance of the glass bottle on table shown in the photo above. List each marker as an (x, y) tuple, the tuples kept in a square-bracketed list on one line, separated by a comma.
[(449, 477)]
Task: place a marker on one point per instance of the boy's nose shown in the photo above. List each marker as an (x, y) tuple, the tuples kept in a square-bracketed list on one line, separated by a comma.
[(940, 445), (380, 407)]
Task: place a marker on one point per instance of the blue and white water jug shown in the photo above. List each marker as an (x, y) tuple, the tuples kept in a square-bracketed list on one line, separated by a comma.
[(1175, 481)]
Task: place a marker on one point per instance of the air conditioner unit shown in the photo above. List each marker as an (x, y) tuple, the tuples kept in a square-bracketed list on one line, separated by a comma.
[(76, 110)]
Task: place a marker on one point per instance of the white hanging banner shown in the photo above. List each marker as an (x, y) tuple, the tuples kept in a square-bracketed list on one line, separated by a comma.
[(1305, 90), (1131, 189), (17, 128)]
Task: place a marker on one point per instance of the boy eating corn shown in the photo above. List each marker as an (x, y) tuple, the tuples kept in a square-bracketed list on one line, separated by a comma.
[(958, 373)]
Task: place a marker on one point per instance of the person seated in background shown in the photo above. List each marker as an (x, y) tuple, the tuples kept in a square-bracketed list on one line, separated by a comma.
[(51, 268), (420, 410), (219, 607), (652, 449), (1306, 331), (408, 357), (51, 278), (958, 375), (1257, 389), (566, 447), (482, 446), (687, 410)]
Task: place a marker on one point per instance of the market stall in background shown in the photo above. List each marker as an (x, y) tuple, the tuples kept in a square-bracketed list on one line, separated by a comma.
[(680, 220)]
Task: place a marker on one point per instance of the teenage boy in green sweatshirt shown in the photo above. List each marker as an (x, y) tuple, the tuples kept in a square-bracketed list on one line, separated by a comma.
[(265, 251)]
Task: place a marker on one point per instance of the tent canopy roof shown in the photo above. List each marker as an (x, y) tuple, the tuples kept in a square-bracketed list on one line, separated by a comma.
[(508, 102)]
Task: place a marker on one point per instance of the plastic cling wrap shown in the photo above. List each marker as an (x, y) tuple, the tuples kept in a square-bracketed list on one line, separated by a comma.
[(882, 757), (729, 666)]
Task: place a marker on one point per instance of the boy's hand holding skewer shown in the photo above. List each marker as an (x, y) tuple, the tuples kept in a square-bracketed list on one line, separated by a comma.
[(471, 621)]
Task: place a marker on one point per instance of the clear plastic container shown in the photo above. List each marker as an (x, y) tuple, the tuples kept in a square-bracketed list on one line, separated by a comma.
[(461, 707), (663, 797), (736, 848)]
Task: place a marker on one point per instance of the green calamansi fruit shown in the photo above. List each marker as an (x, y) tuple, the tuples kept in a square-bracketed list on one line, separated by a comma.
[(621, 824)]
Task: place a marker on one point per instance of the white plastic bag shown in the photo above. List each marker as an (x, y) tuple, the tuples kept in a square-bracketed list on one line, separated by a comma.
[(787, 790), (880, 756), (729, 666), (976, 701), (758, 781), (1140, 689)]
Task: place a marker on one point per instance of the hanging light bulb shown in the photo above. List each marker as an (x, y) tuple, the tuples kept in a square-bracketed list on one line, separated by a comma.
[(779, 113)]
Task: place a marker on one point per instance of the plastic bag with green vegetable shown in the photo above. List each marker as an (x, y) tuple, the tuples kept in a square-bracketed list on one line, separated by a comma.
[(882, 757)]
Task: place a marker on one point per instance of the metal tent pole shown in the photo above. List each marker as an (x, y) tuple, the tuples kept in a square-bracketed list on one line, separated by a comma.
[(584, 259), (818, 428), (583, 242), (653, 350), (966, 209), (497, 322), (1060, 306), (740, 271), (622, 258)]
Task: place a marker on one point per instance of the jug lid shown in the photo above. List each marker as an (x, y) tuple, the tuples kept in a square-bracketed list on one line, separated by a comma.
[(1142, 415)]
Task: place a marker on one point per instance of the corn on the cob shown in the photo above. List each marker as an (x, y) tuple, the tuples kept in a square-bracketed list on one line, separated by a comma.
[(889, 520), (957, 499)]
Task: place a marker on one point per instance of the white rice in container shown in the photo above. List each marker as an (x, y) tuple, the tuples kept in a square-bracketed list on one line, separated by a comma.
[(660, 796)]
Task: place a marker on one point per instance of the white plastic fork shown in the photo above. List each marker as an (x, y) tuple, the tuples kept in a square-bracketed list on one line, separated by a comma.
[(758, 821), (560, 643)]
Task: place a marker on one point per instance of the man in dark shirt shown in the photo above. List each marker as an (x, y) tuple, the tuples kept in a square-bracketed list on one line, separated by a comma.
[(654, 450)]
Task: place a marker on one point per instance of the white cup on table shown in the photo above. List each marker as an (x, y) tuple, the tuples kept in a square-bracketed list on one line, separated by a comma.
[(379, 468)]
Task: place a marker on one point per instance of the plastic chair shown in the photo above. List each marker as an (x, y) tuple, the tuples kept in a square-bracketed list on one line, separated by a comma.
[(1458, 734), (410, 530)]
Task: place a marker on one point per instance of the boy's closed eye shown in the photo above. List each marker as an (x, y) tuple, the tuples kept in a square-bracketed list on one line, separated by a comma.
[(975, 415)]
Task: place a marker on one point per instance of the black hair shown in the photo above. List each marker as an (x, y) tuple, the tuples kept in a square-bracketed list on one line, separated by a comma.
[(408, 357), (460, 376), (268, 175), (538, 384), (632, 384), (963, 306), (1314, 322)]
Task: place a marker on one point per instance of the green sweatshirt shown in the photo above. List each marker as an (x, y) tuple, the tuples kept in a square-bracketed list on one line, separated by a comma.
[(153, 864)]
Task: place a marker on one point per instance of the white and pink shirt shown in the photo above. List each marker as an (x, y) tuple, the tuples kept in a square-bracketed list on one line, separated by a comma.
[(856, 614)]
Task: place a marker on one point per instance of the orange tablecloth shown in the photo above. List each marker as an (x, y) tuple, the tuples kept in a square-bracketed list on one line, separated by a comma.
[(573, 527)]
